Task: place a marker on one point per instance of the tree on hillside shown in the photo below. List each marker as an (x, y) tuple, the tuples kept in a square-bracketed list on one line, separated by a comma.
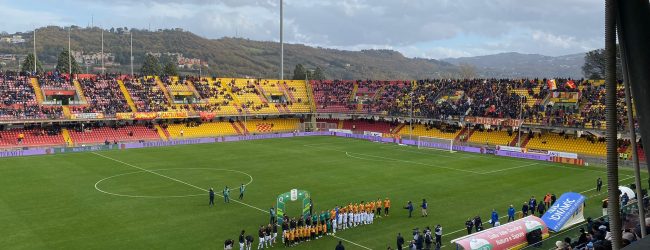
[(170, 69), (594, 67), (467, 71), (28, 64), (318, 74), (63, 61), (299, 72), (150, 66)]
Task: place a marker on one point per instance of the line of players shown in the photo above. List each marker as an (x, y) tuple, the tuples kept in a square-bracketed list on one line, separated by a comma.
[(328, 222)]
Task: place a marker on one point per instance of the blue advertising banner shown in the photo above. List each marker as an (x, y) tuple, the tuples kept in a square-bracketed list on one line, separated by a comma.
[(566, 211)]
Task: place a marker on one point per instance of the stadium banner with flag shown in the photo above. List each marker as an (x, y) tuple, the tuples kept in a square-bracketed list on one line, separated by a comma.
[(565, 212), (551, 84), (87, 116), (494, 121), (511, 235), (570, 84), (207, 115)]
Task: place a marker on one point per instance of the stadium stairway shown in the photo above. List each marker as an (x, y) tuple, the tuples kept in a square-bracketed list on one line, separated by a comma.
[(514, 141), (164, 89), (162, 133), (242, 127), (66, 112), (399, 128), (524, 141), (236, 128), (127, 96), (340, 124), (80, 91), (459, 135), (66, 136), (37, 89), (354, 91), (190, 85), (286, 90)]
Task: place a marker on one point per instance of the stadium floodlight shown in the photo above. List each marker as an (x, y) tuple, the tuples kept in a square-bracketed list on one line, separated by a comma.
[(281, 41), (427, 142)]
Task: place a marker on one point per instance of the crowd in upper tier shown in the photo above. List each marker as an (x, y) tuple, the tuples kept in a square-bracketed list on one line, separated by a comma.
[(559, 102), (565, 102)]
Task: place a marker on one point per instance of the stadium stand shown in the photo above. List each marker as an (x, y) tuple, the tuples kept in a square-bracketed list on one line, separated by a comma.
[(103, 96), (96, 134), (368, 125), (31, 137), (430, 130), (491, 137), (333, 96), (205, 129), (562, 103), (568, 143), (276, 125), (147, 94)]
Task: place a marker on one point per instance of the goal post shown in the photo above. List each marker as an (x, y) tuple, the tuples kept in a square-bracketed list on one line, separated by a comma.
[(427, 142), (315, 126)]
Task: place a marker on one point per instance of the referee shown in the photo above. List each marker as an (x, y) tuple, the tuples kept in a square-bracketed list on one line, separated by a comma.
[(211, 197)]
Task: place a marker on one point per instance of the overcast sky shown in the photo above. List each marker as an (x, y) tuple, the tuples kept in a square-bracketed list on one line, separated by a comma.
[(417, 28)]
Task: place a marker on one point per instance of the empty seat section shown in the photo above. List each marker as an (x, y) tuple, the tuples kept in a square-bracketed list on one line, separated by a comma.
[(207, 129)]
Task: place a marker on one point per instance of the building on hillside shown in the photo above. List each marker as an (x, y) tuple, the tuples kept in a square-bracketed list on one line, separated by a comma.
[(15, 39)]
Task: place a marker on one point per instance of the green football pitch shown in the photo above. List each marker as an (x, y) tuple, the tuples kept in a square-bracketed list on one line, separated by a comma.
[(156, 198)]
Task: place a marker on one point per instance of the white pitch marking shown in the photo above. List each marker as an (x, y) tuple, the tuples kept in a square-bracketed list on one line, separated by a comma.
[(505, 169), (164, 196), (245, 204), (351, 242), (392, 159), (176, 180)]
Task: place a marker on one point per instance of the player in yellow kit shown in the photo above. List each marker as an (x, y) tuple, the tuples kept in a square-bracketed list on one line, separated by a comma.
[(378, 207)]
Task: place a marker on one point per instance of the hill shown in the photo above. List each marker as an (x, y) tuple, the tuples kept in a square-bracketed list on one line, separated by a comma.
[(230, 57), (517, 65)]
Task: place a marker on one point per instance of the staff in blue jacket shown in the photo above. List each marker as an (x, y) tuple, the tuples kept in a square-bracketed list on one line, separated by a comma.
[(409, 206), (495, 217), (511, 213)]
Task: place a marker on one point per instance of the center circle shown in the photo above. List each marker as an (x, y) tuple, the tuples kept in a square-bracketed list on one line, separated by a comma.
[(98, 188)]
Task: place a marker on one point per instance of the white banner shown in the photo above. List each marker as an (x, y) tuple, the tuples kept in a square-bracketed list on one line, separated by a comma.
[(372, 133), (563, 154), (511, 149)]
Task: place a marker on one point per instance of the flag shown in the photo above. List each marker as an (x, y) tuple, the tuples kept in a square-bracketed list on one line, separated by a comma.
[(570, 84), (551, 84)]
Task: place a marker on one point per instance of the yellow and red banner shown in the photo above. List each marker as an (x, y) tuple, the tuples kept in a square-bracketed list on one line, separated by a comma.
[(579, 162), (151, 115), (172, 114), (207, 115)]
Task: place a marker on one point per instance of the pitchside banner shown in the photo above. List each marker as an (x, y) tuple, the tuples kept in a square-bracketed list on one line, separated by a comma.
[(565, 212), (506, 236)]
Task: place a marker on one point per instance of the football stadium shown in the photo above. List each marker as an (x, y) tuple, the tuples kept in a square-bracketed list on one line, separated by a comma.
[(114, 157)]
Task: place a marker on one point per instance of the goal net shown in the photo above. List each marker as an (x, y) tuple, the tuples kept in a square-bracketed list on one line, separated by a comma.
[(426, 142), (315, 126)]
